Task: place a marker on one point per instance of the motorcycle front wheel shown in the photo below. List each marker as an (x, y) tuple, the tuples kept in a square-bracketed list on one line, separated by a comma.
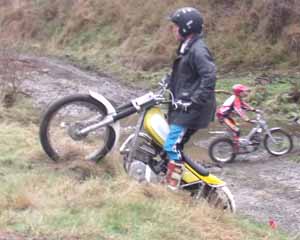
[(60, 126), (279, 144), (221, 150)]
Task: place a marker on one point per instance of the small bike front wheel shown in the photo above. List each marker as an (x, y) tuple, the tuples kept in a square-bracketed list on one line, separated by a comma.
[(221, 150), (279, 143), (62, 122)]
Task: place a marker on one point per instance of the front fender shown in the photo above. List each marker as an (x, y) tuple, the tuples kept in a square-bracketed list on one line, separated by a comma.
[(110, 111), (268, 132)]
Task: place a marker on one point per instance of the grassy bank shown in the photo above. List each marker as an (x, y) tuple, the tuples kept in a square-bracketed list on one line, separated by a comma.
[(78, 200)]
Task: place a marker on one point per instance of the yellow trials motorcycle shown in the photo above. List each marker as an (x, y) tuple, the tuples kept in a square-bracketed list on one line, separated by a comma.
[(87, 125)]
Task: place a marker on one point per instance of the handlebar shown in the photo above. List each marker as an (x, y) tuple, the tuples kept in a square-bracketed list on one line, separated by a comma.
[(259, 117), (259, 114), (160, 95)]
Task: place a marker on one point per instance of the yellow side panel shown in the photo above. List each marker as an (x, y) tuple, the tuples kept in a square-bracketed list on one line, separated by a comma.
[(190, 176)]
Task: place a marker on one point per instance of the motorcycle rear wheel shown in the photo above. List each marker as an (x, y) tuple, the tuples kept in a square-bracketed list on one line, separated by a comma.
[(64, 118), (217, 197)]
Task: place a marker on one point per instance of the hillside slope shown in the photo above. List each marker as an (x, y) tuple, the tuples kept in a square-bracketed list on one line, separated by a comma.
[(135, 35), (79, 200)]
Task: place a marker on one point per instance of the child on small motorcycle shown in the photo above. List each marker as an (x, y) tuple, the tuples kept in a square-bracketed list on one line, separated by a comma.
[(235, 105)]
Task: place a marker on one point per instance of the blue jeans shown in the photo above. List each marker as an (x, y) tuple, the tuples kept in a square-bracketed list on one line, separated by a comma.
[(174, 139)]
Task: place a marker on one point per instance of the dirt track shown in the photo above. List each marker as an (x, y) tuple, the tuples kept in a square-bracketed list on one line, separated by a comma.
[(263, 187), (47, 80)]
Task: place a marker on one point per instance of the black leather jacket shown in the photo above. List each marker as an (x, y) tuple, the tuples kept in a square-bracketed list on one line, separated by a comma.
[(193, 79)]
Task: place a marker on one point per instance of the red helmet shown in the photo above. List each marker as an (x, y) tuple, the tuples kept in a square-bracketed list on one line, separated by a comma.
[(239, 88)]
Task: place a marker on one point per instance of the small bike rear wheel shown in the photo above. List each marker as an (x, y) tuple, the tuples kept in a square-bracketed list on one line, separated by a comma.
[(221, 150)]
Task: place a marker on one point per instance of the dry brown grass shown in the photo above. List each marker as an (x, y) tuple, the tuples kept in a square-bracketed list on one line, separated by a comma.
[(17, 202), (10, 79), (292, 41), (139, 32)]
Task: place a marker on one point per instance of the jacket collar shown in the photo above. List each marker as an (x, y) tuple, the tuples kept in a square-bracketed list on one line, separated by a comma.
[(186, 45)]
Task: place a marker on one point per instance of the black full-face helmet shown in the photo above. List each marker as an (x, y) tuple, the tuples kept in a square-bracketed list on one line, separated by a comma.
[(188, 19)]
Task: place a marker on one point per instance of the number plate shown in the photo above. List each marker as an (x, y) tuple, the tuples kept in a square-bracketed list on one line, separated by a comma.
[(142, 100)]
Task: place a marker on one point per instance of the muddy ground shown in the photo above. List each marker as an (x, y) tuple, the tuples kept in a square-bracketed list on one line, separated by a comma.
[(264, 187)]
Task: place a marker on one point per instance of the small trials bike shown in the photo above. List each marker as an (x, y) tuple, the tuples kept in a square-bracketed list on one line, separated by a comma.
[(276, 141), (87, 125)]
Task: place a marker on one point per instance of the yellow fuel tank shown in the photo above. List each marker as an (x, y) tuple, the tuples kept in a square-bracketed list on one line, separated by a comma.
[(156, 125)]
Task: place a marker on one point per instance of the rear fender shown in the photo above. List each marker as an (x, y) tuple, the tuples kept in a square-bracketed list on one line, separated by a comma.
[(212, 180), (275, 128), (110, 111)]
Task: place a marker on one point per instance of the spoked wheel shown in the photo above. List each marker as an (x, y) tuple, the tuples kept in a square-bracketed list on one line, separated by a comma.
[(279, 144), (62, 122), (221, 150), (217, 197)]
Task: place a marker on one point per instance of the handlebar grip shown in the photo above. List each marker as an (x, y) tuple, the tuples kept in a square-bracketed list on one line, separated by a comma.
[(124, 106)]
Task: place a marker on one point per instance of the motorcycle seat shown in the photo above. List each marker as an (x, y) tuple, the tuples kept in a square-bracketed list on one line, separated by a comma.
[(197, 166)]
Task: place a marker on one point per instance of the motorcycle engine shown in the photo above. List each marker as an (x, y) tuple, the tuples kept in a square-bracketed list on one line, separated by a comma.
[(256, 139), (142, 172)]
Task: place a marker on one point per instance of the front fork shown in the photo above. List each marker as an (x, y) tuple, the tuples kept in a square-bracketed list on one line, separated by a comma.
[(133, 146), (109, 120)]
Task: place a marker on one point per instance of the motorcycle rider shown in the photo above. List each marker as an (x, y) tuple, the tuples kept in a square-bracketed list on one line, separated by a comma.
[(235, 104), (192, 83)]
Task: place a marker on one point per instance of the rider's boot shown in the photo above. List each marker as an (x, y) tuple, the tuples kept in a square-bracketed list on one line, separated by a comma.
[(174, 174)]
